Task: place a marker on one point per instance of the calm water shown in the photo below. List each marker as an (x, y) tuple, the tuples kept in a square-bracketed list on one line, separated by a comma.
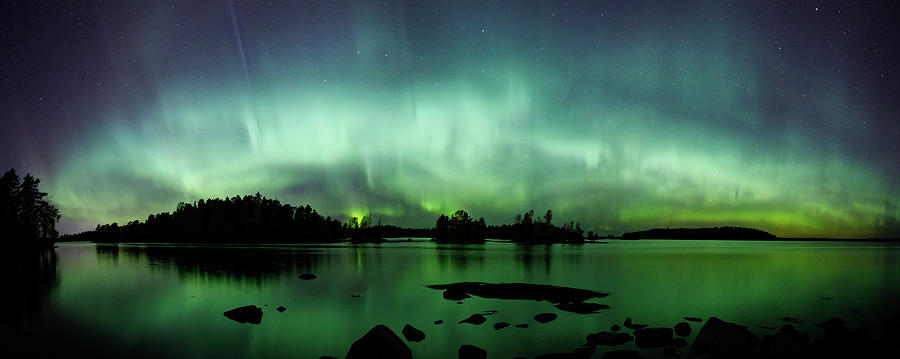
[(167, 301)]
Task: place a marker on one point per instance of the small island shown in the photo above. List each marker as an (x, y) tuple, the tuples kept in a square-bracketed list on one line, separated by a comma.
[(713, 233)]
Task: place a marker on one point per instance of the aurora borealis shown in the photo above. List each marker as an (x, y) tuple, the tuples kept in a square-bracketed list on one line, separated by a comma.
[(622, 115)]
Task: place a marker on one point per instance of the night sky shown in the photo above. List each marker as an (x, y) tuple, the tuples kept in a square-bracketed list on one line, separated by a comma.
[(622, 115)]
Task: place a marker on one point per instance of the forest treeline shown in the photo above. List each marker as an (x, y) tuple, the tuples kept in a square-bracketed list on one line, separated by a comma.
[(27, 218), (257, 219), (726, 233)]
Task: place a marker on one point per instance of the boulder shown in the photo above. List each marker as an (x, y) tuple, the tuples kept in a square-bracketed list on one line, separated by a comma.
[(652, 337), (581, 308), (609, 338), (379, 343), (247, 314), (683, 329), (787, 343), (476, 319), (500, 325), (412, 334), (307, 276), (545, 317), (720, 339), (622, 354), (467, 351)]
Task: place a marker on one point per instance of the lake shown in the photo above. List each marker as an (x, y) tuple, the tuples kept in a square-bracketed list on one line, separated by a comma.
[(168, 300)]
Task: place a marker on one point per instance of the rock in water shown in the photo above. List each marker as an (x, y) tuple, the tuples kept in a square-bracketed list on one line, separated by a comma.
[(307, 276), (412, 334), (467, 351), (787, 343), (683, 329), (581, 308), (545, 317), (614, 328), (523, 325), (379, 343), (455, 295), (500, 325), (720, 339), (439, 321), (476, 319), (608, 338), (281, 308), (693, 319), (246, 314), (652, 337)]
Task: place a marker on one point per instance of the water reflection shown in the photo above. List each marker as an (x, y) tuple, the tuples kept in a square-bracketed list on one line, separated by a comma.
[(33, 277)]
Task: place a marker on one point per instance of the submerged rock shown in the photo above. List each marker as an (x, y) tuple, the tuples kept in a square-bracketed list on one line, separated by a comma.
[(581, 308), (539, 292), (307, 276), (683, 329), (545, 317), (500, 325), (468, 351), (622, 354), (412, 334), (609, 338), (381, 343), (652, 337), (633, 326), (476, 319), (455, 295), (720, 339), (247, 314)]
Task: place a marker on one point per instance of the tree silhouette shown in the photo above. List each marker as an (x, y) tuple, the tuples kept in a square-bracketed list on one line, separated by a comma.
[(25, 212), (459, 228)]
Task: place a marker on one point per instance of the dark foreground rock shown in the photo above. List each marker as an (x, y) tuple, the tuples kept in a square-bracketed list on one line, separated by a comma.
[(787, 343), (609, 338), (307, 276), (545, 317), (379, 343), (455, 295), (247, 314), (581, 308), (476, 319), (467, 351), (683, 329), (720, 339), (652, 337), (840, 342), (537, 292), (622, 354), (412, 334)]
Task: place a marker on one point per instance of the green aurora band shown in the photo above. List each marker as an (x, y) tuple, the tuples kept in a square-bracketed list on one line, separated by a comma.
[(618, 126)]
